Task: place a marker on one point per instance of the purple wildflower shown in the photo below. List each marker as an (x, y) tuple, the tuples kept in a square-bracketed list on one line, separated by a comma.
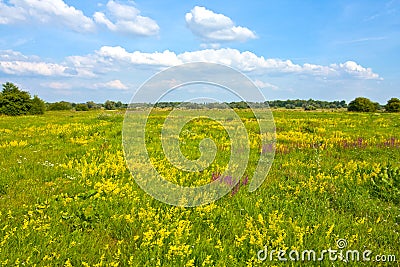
[(235, 189), (245, 180), (228, 180)]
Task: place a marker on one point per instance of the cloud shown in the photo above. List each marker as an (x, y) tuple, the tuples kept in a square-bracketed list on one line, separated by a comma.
[(210, 45), (56, 85), (126, 19), (115, 58), (123, 18), (210, 26), (262, 85), (45, 12), (362, 40), (353, 69), (115, 84), (119, 54), (11, 14), (8, 55), (31, 68), (320, 70), (15, 63), (244, 61), (110, 59)]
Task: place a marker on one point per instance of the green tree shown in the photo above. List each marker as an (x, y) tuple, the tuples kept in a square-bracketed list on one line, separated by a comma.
[(393, 105), (10, 88), (109, 105), (91, 105), (362, 104), (118, 104), (38, 106), (13, 101)]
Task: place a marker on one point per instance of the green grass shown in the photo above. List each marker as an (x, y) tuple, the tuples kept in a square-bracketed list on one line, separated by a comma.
[(67, 198)]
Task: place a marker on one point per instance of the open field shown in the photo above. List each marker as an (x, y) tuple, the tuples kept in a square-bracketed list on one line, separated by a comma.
[(67, 198)]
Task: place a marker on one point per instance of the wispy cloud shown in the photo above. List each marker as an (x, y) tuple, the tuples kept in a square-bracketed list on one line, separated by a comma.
[(363, 40), (114, 84), (389, 8), (265, 85), (57, 85)]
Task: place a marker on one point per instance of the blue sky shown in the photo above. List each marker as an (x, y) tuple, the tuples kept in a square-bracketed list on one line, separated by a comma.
[(97, 50)]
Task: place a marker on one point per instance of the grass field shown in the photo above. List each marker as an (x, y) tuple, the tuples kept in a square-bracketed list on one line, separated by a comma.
[(68, 199)]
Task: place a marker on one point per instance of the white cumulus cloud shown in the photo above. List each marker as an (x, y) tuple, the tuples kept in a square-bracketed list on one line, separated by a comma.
[(115, 57), (166, 58), (117, 18), (215, 27), (46, 12), (16, 63), (126, 19), (109, 59), (354, 69), (10, 13), (32, 68), (244, 61)]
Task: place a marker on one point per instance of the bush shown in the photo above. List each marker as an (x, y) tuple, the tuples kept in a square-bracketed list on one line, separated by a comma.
[(38, 106), (81, 107), (290, 106), (309, 107), (393, 105), (62, 105), (362, 104), (92, 105)]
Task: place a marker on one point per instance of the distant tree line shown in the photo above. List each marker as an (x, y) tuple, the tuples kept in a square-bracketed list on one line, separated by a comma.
[(288, 104), (360, 104), (64, 105), (310, 104), (14, 101)]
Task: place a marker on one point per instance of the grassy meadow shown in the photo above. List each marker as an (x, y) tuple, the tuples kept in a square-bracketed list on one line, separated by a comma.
[(68, 199)]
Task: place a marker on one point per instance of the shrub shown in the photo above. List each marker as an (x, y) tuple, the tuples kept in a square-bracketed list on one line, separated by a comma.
[(62, 105), (38, 106), (290, 106), (309, 107), (362, 104)]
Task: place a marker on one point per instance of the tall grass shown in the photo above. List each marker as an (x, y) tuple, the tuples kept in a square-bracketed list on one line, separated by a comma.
[(67, 198)]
